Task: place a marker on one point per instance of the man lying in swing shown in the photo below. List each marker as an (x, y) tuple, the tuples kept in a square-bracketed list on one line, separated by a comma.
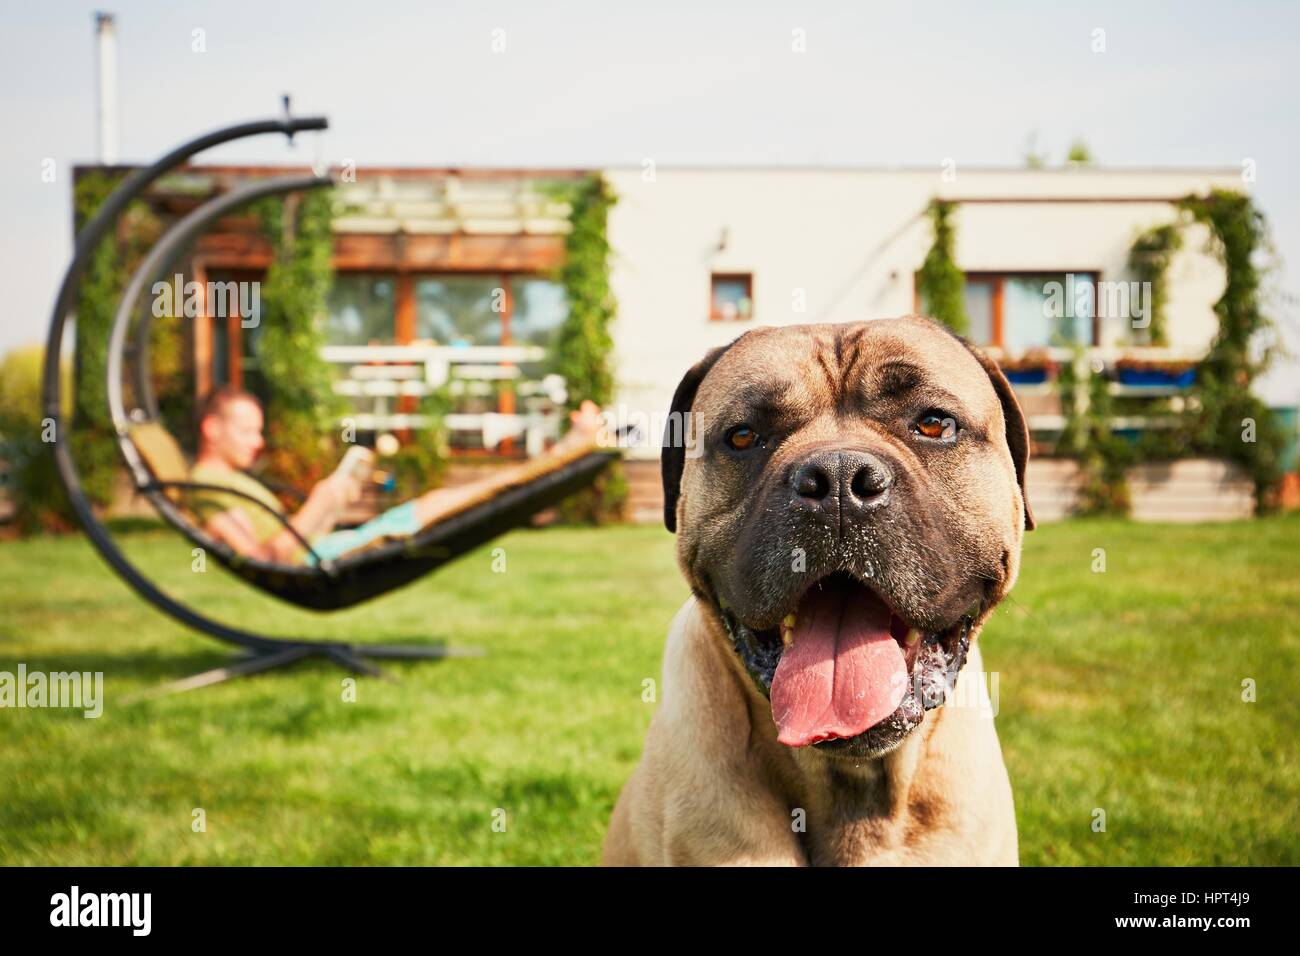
[(230, 439)]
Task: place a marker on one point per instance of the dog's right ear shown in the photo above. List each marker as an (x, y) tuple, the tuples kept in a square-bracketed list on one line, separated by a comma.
[(677, 432), (1017, 431)]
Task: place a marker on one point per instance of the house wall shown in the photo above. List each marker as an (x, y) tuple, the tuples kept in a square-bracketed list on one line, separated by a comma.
[(852, 240)]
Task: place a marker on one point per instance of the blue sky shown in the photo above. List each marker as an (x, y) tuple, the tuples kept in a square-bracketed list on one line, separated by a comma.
[(587, 84)]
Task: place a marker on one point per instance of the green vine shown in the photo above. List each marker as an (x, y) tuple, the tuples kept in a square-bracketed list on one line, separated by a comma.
[(99, 288), (940, 281), (301, 408), (422, 462), (1148, 262), (583, 345), (1103, 456), (582, 348), (1232, 422)]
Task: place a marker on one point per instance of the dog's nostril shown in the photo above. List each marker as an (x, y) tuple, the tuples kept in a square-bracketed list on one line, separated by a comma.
[(811, 482), (870, 481)]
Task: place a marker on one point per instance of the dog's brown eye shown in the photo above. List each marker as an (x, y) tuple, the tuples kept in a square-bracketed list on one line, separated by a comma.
[(934, 425), (742, 437)]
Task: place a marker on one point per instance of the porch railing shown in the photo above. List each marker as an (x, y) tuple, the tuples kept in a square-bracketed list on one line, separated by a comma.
[(382, 375)]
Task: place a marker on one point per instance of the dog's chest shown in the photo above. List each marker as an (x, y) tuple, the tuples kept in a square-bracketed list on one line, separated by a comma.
[(863, 816)]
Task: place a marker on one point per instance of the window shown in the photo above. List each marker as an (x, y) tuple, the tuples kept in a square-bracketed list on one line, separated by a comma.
[(731, 297), (979, 297), (234, 357), (254, 380), (1020, 311), (460, 310), (361, 310), (455, 309), (539, 310), (1033, 316)]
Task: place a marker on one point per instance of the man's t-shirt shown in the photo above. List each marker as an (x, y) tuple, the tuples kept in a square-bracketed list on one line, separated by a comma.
[(206, 505)]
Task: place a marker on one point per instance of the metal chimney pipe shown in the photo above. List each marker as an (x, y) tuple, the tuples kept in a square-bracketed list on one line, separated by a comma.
[(107, 49)]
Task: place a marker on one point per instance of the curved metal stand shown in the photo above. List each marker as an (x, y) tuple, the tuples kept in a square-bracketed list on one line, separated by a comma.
[(265, 651)]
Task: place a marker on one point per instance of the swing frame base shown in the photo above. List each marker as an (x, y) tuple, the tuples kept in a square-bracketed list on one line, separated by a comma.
[(350, 657)]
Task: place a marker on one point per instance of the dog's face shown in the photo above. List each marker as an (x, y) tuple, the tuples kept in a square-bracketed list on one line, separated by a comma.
[(851, 508)]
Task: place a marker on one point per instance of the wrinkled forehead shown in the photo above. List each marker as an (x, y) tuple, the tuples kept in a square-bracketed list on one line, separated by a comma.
[(807, 368)]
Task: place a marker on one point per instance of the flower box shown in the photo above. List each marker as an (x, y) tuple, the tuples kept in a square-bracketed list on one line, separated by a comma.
[(1025, 376), (1032, 368), (1141, 373)]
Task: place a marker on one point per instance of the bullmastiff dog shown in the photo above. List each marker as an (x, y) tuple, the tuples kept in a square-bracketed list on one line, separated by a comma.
[(848, 516)]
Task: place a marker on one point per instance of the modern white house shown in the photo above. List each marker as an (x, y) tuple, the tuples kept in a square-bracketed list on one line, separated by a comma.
[(701, 255)]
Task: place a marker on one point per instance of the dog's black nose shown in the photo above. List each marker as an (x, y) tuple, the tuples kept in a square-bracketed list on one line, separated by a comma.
[(857, 479)]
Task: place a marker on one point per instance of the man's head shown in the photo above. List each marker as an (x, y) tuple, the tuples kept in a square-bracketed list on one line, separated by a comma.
[(856, 512), (230, 427)]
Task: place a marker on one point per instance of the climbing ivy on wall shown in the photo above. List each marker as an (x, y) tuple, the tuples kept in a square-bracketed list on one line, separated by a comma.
[(1148, 262), (1221, 416), (1103, 456), (583, 346), (99, 287), (1232, 422), (940, 283), (302, 410)]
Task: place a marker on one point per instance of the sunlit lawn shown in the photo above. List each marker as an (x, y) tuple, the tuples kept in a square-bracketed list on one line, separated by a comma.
[(1118, 691)]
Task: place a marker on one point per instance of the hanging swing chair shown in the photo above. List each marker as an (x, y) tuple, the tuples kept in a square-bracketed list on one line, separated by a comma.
[(160, 472)]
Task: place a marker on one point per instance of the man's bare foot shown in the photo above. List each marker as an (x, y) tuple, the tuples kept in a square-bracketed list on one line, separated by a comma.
[(585, 427)]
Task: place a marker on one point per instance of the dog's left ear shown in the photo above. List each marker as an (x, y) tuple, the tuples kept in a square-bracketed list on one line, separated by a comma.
[(1017, 430), (673, 455)]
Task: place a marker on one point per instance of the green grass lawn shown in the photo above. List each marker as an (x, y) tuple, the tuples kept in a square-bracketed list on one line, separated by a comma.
[(1118, 690)]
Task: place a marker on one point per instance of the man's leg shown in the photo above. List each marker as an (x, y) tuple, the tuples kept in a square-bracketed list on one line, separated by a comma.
[(584, 430), (410, 516)]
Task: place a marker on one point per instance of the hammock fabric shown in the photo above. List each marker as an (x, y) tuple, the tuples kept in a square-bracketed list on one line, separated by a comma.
[(359, 575)]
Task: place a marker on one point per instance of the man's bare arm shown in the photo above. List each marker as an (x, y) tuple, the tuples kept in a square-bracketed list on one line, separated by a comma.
[(317, 515)]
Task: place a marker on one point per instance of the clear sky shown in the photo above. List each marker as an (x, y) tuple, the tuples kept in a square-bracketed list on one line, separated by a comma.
[(600, 83)]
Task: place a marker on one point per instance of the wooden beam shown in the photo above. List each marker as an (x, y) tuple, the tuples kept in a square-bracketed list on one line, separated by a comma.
[(506, 396), (999, 323), (370, 252), (404, 320), (202, 338)]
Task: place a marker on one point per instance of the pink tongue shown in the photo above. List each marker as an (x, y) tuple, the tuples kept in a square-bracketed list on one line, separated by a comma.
[(843, 673)]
